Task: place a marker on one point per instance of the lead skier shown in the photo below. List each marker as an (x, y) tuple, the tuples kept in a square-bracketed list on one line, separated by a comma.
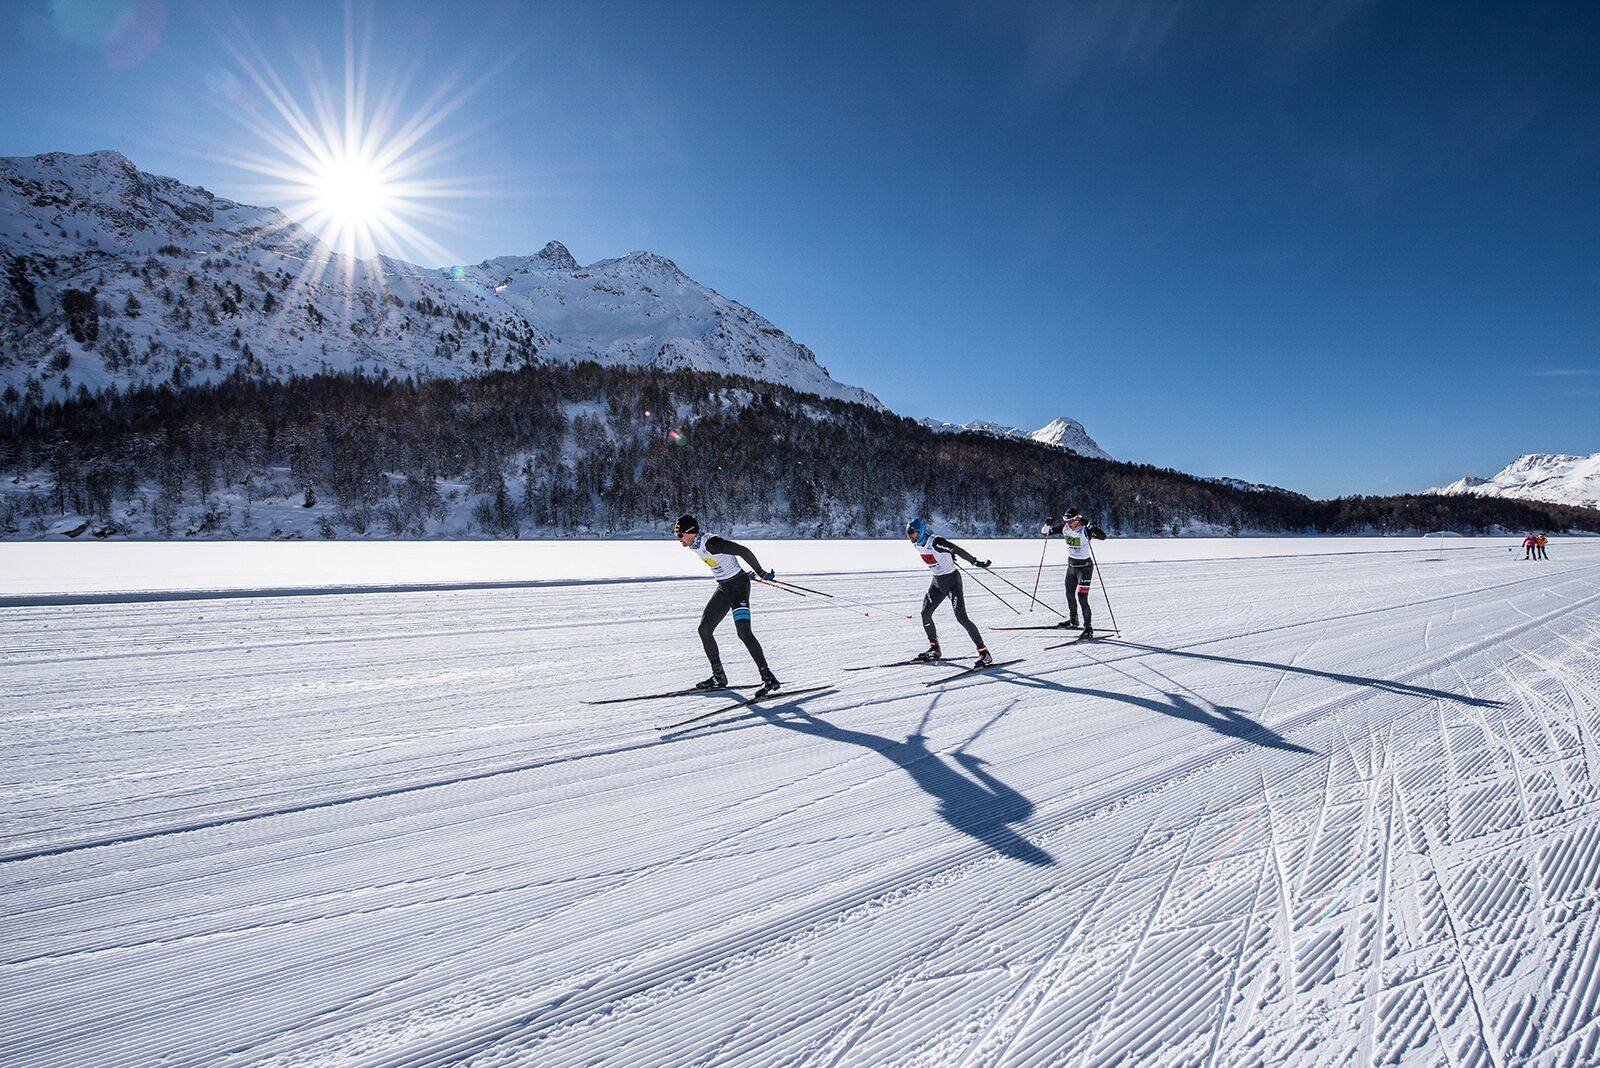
[(1076, 532), (940, 556), (722, 556)]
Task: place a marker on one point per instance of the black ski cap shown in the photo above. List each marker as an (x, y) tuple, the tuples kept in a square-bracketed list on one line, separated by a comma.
[(686, 524), (1072, 513)]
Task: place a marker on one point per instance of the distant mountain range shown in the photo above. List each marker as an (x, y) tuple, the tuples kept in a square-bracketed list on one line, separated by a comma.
[(112, 277), (1062, 433), (1555, 479)]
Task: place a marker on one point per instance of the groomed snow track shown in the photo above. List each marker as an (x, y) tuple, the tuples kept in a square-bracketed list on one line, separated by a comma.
[(1334, 809)]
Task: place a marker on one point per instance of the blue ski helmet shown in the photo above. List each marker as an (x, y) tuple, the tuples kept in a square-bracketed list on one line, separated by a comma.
[(917, 526)]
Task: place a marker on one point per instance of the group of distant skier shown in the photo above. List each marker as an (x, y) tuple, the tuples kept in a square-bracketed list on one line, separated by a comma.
[(723, 556), (1533, 547)]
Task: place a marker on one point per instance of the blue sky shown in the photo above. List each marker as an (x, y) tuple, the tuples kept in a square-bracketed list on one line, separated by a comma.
[(1337, 246)]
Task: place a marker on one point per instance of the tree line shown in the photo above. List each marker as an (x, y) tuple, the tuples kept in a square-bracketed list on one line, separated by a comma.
[(552, 449)]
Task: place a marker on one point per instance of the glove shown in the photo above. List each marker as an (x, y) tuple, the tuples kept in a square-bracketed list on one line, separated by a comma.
[(769, 576), (985, 564)]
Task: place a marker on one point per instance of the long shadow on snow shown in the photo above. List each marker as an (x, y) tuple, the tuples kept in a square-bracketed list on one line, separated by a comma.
[(1405, 689), (981, 806), (1220, 718)]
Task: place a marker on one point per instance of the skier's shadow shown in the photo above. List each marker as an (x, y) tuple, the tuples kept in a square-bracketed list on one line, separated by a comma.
[(1220, 718), (1405, 689), (980, 805)]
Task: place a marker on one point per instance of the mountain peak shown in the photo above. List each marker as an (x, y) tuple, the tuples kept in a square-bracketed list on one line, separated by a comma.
[(556, 255), (649, 261), (1069, 434), (1554, 477), (1061, 433)]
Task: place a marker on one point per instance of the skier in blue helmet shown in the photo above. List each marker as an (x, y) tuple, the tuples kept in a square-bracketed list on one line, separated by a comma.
[(940, 556)]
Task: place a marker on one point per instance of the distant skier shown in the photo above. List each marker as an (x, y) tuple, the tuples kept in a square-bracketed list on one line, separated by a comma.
[(940, 556), (733, 593), (1530, 547), (1076, 532), (1540, 542)]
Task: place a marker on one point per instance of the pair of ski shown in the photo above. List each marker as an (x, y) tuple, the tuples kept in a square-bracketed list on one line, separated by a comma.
[(762, 693), (1053, 626), (968, 673)]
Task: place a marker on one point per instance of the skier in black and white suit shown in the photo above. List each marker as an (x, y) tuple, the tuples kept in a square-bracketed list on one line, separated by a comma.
[(1076, 532), (940, 555), (733, 594)]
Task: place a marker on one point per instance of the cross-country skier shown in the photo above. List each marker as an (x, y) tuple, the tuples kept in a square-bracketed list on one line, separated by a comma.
[(1539, 543), (940, 555), (1076, 532), (733, 593), (1529, 545)]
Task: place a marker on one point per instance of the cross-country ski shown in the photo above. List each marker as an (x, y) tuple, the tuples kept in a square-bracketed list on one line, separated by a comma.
[(759, 697), (974, 670)]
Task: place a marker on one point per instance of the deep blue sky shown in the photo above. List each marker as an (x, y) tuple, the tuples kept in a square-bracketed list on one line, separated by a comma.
[(1337, 246)]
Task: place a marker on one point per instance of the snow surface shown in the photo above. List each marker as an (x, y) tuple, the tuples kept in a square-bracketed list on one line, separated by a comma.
[(1573, 480), (103, 570), (1312, 809)]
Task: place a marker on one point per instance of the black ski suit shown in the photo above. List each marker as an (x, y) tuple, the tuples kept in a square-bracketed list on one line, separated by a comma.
[(732, 595), (948, 587), (1080, 574)]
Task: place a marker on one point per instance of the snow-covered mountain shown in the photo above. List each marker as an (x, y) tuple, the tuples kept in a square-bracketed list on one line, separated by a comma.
[(111, 276), (1538, 476), (1248, 487), (1069, 434), (1062, 433)]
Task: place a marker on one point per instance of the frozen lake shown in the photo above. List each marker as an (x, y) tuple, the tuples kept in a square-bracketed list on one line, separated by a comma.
[(1324, 800), (30, 569)]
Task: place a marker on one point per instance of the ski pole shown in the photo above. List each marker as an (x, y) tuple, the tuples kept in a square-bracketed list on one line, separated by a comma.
[(1104, 592), (1024, 593), (792, 586), (997, 597), (780, 585), (1037, 575), (804, 591)]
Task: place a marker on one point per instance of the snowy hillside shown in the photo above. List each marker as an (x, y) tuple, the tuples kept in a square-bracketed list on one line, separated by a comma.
[(1557, 479), (1062, 433), (114, 276)]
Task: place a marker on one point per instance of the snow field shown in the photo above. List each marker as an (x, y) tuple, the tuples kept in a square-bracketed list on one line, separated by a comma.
[(89, 570), (1322, 808)]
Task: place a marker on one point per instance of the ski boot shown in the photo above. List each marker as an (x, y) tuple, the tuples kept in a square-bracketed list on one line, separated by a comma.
[(929, 657), (717, 681), (1087, 635), (1069, 624), (984, 658)]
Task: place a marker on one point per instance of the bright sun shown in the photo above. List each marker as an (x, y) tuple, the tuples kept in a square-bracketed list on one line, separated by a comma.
[(361, 172), (352, 192)]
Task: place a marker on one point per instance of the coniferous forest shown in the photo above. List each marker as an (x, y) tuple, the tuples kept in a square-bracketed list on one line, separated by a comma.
[(584, 449)]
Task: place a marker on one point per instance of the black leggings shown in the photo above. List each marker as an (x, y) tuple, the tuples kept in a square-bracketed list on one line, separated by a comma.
[(948, 586), (734, 595), (1080, 574)]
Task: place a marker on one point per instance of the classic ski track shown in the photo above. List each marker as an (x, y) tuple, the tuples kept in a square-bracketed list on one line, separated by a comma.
[(1509, 867), (834, 910), (400, 789)]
